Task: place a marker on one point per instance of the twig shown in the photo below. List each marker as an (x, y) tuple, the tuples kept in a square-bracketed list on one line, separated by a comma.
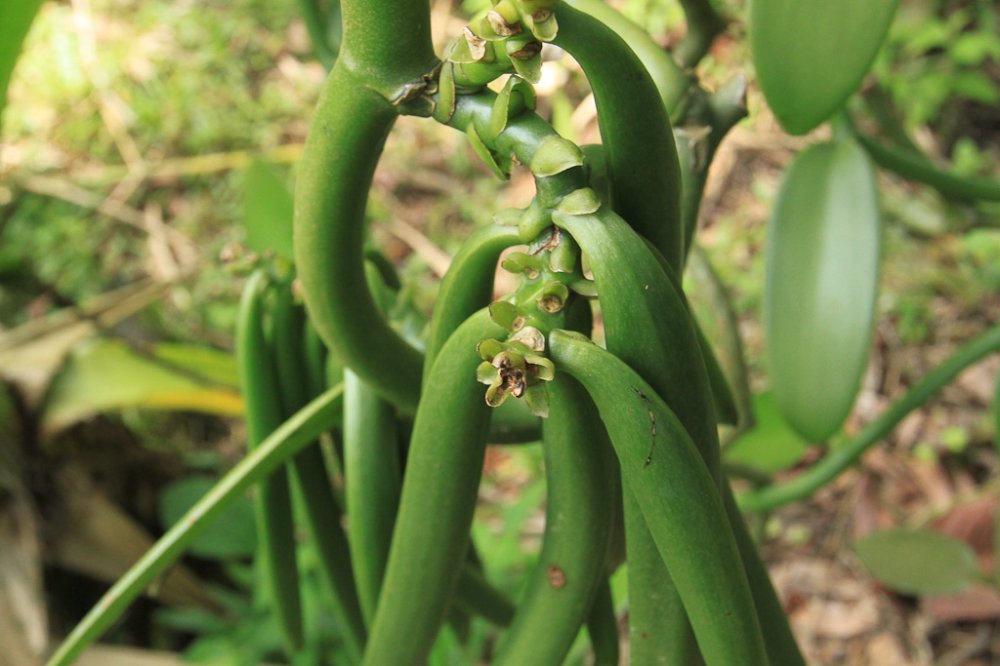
[(167, 171), (435, 257), (78, 196)]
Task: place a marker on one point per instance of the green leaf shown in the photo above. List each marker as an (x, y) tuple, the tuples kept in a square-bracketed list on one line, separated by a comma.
[(267, 210), (771, 445), (107, 375), (811, 55), (17, 18), (230, 534), (820, 287), (919, 562), (219, 367)]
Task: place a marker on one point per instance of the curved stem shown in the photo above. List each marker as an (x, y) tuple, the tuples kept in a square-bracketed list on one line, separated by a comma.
[(712, 116), (335, 174), (847, 454), (704, 24), (914, 166), (298, 431)]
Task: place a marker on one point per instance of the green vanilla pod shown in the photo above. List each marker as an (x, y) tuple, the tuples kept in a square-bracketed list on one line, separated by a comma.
[(310, 479), (646, 320), (678, 498), (316, 354), (431, 537), (579, 472), (722, 394), (372, 480), (670, 80), (642, 160), (659, 630), (779, 641), (273, 503), (474, 595), (647, 324), (602, 627)]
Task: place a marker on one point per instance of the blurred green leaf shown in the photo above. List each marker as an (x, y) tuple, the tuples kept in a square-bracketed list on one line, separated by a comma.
[(810, 55), (771, 445), (820, 287), (17, 18), (216, 366), (973, 48), (919, 562), (106, 375), (976, 86), (267, 210), (231, 535)]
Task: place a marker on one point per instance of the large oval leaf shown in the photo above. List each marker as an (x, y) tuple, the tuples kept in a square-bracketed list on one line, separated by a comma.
[(919, 561), (821, 283), (810, 55)]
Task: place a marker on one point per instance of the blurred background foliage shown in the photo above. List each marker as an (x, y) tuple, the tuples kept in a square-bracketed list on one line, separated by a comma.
[(142, 140)]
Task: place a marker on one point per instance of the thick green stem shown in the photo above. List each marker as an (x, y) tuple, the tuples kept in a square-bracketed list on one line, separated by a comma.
[(387, 43), (842, 457), (442, 476), (345, 141)]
